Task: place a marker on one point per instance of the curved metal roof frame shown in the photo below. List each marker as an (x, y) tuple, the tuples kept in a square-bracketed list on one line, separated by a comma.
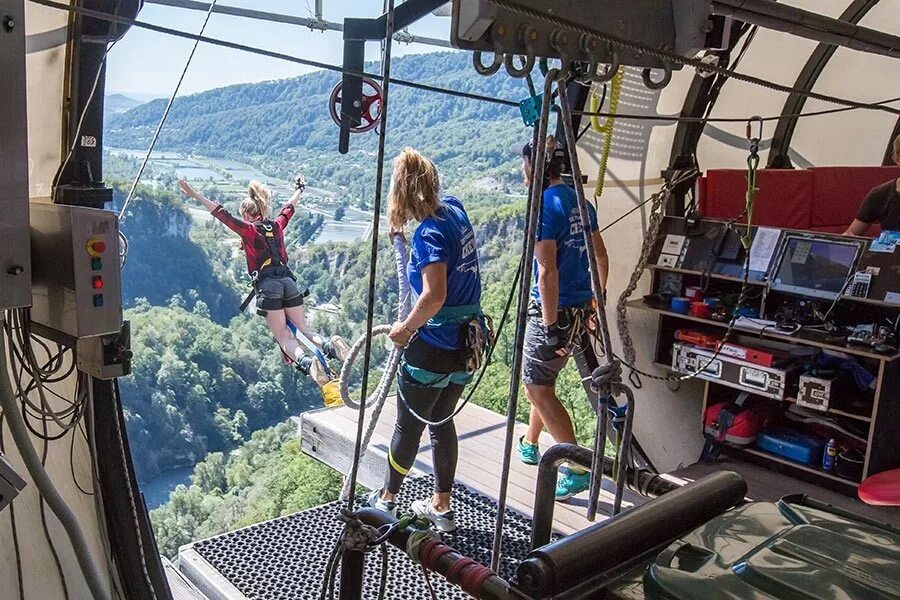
[(704, 93), (815, 65)]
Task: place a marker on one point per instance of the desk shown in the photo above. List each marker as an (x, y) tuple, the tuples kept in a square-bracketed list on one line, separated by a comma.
[(877, 412)]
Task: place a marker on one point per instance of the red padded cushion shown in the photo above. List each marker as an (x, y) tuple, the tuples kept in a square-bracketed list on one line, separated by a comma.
[(784, 198), (840, 190), (882, 489)]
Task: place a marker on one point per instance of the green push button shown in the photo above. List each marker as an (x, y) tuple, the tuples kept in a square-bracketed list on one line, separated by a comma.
[(96, 264)]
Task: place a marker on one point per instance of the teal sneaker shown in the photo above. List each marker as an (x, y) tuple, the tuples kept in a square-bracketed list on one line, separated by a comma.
[(571, 484), (529, 453)]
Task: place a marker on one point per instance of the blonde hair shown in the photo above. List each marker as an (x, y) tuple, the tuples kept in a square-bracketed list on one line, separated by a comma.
[(415, 189), (897, 146), (258, 202)]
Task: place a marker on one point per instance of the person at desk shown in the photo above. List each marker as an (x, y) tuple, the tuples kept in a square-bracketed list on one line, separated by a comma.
[(881, 205)]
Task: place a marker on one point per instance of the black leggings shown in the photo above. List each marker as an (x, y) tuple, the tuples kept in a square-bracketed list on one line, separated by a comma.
[(432, 404)]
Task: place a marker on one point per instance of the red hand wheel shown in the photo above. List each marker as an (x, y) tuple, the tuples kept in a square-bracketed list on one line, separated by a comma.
[(369, 109)]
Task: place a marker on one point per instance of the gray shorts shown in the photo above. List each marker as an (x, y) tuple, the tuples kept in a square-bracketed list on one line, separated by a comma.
[(541, 364), (278, 293)]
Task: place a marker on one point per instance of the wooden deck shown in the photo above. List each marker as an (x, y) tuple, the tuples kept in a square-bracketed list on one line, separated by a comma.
[(328, 434)]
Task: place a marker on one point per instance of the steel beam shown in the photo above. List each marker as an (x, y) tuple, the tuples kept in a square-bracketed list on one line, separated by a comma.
[(15, 245), (317, 23), (809, 25)]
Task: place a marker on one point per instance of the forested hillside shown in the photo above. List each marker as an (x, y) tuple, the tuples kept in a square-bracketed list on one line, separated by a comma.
[(164, 261), (282, 126)]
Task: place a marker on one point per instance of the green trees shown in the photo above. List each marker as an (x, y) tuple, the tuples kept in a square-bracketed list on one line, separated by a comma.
[(266, 477), (200, 387)]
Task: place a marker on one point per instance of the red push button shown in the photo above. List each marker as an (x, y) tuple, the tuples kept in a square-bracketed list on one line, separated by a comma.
[(96, 247), (97, 282)]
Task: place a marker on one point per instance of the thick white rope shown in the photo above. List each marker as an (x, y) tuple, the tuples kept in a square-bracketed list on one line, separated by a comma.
[(377, 399)]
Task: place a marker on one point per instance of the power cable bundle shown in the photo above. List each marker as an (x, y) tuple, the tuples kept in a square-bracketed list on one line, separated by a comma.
[(19, 410)]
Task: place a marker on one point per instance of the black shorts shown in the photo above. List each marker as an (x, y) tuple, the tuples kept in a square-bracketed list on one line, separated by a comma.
[(278, 293)]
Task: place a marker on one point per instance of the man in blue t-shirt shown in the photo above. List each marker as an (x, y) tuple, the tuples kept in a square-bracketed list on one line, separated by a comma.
[(560, 313)]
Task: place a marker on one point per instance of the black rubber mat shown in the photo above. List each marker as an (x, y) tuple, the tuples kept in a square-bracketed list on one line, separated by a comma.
[(285, 559)]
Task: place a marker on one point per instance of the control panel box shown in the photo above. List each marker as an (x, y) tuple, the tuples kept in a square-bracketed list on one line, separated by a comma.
[(15, 263), (77, 287), (729, 371)]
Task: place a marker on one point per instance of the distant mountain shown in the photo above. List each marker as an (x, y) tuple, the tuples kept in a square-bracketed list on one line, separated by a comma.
[(284, 126), (118, 103)]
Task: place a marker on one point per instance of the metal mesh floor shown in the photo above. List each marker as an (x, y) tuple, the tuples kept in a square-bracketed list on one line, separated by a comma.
[(285, 559)]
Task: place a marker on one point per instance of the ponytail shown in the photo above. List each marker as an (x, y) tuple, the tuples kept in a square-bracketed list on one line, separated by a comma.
[(260, 198)]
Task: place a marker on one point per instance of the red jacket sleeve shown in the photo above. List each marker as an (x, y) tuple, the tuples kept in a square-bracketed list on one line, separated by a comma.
[(239, 226), (284, 217)]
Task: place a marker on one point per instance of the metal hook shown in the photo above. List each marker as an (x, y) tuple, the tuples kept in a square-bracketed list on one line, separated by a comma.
[(657, 85), (589, 46), (481, 69), (519, 73)]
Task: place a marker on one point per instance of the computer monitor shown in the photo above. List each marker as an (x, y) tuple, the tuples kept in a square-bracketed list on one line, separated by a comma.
[(815, 266)]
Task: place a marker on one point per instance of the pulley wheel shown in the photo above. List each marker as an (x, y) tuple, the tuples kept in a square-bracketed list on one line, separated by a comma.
[(369, 109)]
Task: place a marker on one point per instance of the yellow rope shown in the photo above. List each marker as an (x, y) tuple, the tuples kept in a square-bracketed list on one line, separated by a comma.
[(606, 128)]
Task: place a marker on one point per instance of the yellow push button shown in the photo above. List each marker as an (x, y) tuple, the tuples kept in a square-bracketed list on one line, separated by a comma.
[(96, 247)]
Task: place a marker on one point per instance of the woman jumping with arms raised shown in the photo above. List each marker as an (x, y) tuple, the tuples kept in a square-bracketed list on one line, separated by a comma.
[(262, 240)]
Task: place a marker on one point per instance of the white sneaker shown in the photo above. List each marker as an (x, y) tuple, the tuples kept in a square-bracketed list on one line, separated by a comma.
[(443, 521), (378, 503)]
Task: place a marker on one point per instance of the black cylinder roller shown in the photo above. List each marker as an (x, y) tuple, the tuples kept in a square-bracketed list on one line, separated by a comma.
[(561, 565)]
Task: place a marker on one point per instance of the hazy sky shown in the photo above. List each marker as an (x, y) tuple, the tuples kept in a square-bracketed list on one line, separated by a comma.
[(146, 62)]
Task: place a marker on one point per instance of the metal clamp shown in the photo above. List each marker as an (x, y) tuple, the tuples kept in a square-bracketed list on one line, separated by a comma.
[(527, 37), (589, 46)]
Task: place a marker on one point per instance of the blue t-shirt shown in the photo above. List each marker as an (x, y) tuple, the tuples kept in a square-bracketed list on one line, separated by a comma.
[(447, 237), (560, 221)]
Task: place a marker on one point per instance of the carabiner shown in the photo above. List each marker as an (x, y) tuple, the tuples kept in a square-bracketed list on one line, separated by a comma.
[(750, 121)]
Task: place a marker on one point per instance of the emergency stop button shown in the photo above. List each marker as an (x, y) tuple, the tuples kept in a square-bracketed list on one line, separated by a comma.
[(96, 247)]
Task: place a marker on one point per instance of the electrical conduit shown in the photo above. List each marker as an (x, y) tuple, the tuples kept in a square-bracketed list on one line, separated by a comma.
[(44, 484)]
